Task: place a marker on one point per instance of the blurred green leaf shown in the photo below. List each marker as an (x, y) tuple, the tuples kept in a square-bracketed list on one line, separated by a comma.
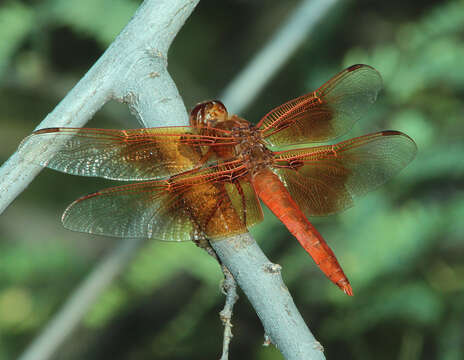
[(102, 19), (109, 303), (21, 263), (16, 21), (412, 303)]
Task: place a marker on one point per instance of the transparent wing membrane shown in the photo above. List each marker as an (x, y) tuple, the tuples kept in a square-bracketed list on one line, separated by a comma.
[(210, 203), (327, 179), (326, 113), (139, 154)]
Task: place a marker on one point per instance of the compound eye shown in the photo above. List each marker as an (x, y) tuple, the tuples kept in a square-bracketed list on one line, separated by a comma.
[(208, 113)]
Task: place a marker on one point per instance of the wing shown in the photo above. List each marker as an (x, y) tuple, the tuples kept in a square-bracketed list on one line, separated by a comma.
[(139, 154), (211, 203), (325, 113), (326, 179)]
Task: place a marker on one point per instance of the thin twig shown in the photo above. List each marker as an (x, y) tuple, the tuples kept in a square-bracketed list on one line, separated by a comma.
[(267, 340), (229, 287)]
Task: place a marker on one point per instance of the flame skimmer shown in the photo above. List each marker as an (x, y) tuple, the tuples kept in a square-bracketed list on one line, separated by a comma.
[(204, 180)]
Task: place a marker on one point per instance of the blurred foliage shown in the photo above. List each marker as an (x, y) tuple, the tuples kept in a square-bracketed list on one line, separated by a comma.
[(401, 246)]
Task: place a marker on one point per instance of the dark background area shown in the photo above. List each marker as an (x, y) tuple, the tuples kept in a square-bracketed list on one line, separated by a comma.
[(401, 246)]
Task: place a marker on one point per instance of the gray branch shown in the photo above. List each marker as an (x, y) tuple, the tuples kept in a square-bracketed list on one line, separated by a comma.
[(133, 70), (262, 283)]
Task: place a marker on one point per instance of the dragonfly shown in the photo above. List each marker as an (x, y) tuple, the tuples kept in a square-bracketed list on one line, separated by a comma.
[(204, 181)]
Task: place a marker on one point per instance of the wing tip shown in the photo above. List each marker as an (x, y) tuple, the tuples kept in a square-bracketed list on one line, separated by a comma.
[(378, 85), (24, 143), (47, 130), (359, 66), (396, 132), (403, 135), (356, 67), (71, 207)]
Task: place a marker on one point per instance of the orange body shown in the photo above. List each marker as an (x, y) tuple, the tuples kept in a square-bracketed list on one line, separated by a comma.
[(277, 198)]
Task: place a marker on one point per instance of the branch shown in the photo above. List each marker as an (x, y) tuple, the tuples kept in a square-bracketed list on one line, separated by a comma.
[(260, 280)]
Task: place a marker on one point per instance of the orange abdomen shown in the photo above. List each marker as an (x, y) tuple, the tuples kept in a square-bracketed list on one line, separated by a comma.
[(277, 198)]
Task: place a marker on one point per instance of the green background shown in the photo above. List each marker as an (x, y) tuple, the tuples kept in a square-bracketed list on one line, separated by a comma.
[(401, 246)]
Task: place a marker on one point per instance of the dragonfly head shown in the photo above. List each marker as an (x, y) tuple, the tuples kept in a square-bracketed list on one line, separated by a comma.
[(208, 113)]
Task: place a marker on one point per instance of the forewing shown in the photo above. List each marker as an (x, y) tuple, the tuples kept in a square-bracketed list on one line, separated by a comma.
[(139, 154), (326, 113), (327, 179), (202, 204)]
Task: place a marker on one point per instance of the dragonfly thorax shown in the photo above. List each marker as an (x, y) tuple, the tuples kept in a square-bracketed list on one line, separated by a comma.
[(251, 147)]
